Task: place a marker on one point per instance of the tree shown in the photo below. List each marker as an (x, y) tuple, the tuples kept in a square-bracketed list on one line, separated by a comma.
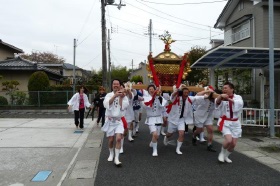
[(196, 75), (43, 57), (137, 79), (119, 72), (10, 87), (95, 81)]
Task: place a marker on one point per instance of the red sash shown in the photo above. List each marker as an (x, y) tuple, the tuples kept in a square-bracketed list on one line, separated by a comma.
[(151, 102), (177, 100), (124, 122), (224, 118)]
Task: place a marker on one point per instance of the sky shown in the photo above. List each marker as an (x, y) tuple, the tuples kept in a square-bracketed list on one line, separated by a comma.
[(52, 26)]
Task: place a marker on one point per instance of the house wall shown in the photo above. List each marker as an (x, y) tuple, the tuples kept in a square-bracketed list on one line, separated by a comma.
[(5, 53), (265, 27), (260, 27), (142, 71), (22, 78), (69, 73)]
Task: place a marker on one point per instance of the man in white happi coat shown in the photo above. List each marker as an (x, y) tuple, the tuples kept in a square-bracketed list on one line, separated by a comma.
[(154, 105), (181, 112), (115, 102), (203, 117), (137, 108), (230, 107), (129, 114)]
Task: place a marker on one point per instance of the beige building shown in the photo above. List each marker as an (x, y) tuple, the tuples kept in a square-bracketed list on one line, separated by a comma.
[(141, 71), (20, 69), (8, 51)]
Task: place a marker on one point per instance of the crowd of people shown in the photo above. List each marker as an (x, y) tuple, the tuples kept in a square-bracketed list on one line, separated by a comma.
[(123, 111)]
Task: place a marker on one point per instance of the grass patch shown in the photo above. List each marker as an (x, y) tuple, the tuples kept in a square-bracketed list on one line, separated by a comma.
[(270, 149)]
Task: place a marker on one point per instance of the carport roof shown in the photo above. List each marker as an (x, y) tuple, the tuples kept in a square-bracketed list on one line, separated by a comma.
[(237, 57)]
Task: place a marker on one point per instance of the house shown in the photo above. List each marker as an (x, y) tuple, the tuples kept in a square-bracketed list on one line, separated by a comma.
[(246, 45), (141, 71), (8, 51), (20, 69), (80, 74)]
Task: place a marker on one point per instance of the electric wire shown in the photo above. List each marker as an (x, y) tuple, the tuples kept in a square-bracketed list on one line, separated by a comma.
[(169, 19), (184, 3), (173, 16), (86, 20)]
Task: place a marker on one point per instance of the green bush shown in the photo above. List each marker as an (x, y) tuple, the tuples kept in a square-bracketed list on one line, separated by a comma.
[(19, 97), (38, 81), (3, 101)]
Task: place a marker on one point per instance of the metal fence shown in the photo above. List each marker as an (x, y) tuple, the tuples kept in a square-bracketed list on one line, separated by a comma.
[(36, 98), (259, 117)]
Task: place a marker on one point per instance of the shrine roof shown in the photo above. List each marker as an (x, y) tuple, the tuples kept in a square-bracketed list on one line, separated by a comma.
[(167, 57)]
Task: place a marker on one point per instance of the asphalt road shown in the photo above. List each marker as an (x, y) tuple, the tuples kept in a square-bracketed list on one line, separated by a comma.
[(196, 166)]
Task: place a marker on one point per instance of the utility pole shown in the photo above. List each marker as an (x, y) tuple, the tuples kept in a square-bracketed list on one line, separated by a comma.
[(109, 58), (74, 67), (104, 59), (271, 67), (103, 32), (132, 66), (150, 33)]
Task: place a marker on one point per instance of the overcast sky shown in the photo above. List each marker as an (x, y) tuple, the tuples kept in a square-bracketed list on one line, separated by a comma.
[(52, 25)]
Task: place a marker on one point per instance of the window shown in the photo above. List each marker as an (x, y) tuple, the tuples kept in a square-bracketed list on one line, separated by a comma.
[(228, 37), (241, 32)]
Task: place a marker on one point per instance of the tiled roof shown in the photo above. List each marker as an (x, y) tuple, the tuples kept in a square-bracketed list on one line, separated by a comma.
[(24, 64), (69, 66)]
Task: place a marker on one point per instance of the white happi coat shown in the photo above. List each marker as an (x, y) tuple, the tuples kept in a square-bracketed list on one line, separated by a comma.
[(75, 101), (129, 113), (114, 112), (204, 110), (154, 113), (188, 112), (224, 110)]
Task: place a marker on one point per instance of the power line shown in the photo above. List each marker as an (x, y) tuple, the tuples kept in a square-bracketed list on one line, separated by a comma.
[(87, 36), (155, 28), (184, 3), (92, 59), (172, 15), (168, 19), (86, 20), (130, 52)]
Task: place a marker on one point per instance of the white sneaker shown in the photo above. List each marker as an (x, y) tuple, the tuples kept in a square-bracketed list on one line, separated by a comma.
[(221, 156), (202, 140), (228, 160), (151, 144), (117, 162), (111, 157), (162, 133), (155, 149), (178, 151), (155, 153), (165, 141), (121, 151), (227, 153)]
